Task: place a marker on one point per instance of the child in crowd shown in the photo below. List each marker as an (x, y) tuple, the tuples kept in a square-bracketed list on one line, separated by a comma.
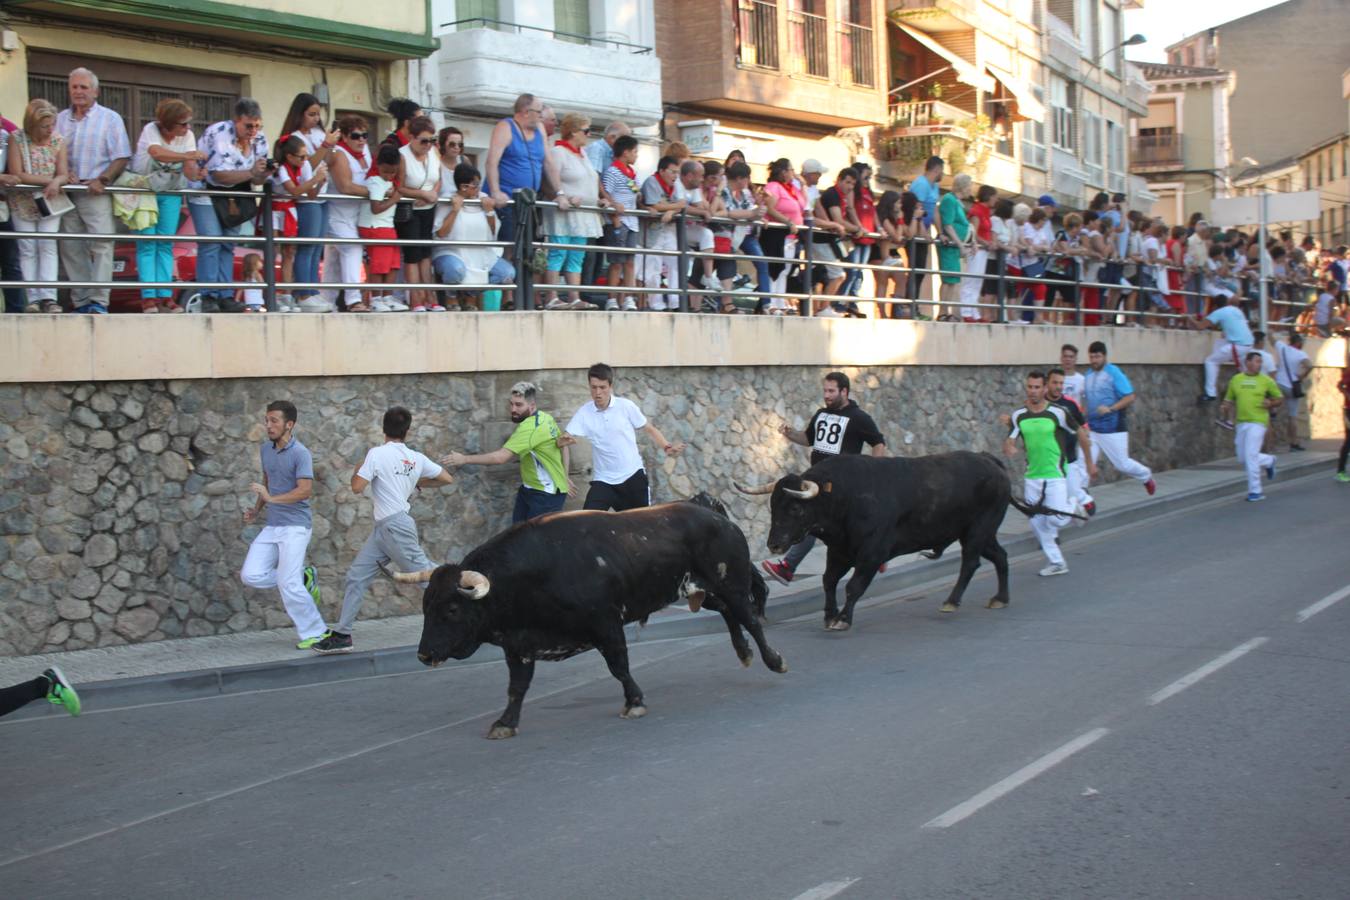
[(469, 221), (621, 184), (659, 195), (376, 222), (294, 181), (252, 298)]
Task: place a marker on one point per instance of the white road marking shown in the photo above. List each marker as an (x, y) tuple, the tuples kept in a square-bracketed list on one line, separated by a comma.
[(1205, 671), (1017, 779), (1307, 613), (827, 890)]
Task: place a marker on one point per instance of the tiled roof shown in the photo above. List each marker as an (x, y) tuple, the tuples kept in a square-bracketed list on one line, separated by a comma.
[(1167, 72)]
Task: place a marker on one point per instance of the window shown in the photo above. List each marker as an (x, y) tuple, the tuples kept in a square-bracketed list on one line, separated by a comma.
[(855, 43), (1110, 44), (1033, 136), (1345, 160), (1092, 146), (572, 17), (757, 34), (1061, 111), (1115, 156), (476, 9), (1085, 23)]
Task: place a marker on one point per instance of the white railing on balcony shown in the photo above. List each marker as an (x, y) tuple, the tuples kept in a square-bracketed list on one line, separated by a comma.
[(1061, 43), (926, 113), (855, 55), (809, 44)]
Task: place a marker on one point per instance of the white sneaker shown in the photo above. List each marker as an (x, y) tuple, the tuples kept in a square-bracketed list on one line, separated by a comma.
[(284, 302), (379, 304), (315, 304), (828, 312), (629, 304), (611, 305), (393, 304), (1054, 569), (655, 302)]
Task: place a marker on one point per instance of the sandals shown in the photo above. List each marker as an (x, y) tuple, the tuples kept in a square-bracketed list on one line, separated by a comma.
[(359, 306), (169, 306), (729, 307)]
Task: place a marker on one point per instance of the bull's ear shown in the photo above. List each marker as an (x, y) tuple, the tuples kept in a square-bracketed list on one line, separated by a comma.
[(474, 585)]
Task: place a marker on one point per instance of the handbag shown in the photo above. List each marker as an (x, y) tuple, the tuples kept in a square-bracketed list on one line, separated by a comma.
[(1296, 384), (236, 210)]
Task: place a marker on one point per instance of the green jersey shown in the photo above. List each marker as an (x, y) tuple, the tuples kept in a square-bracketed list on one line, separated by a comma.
[(1246, 393), (1047, 435), (535, 441)]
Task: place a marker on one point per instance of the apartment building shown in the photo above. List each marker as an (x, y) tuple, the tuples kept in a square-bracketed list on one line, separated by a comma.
[(1181, 146), (210, 54), (1031, 96), (595, 57), (773, 78)]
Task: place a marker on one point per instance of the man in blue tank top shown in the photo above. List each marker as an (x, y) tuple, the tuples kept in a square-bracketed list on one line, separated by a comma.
[(517, 157)]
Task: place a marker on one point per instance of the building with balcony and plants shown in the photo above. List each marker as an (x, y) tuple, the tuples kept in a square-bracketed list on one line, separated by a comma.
[(1181, 147), (1031, 96)]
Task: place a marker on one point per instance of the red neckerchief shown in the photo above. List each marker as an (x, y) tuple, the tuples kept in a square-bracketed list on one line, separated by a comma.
[(576, 150), (791, 188), (294, 172), (667, 189), (626, 169)]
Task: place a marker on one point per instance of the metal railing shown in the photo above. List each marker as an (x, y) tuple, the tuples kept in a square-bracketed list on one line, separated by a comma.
[(808, 38), (1156, 150), (855, 54), (571, 37), (757, 34), (1006, 295)]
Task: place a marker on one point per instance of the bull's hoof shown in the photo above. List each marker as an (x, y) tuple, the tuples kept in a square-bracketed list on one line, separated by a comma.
[(633, 712), (839, 625), (948, 607), (500, 732), (996, 603), (779, 665), (747, 659)]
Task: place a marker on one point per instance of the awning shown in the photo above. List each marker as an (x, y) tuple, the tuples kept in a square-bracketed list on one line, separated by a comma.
[(965, 71), (1028, 107)]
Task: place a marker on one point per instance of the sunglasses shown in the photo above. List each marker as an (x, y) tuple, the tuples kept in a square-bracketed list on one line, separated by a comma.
[(358, 135), (426, 141), (454, 143)]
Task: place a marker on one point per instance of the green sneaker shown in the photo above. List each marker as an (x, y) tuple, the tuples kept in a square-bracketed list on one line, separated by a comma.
[(312, 583), (61, 693), (308, 643), (1343, 478)]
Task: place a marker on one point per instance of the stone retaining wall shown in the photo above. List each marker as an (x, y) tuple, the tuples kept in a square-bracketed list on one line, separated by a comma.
[(121, 507)]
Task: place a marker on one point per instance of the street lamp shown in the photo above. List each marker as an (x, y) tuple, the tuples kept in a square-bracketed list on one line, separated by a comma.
[(1131, 41)]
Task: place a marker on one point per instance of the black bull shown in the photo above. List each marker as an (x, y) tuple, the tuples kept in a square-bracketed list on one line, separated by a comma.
[(868, 510), (560, 585)]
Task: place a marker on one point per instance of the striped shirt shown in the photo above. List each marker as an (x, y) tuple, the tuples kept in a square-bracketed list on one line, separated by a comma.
[(94, 142)]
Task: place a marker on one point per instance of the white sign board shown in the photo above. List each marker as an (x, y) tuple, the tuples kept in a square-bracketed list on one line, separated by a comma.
[(698, 135), (1301, 206)]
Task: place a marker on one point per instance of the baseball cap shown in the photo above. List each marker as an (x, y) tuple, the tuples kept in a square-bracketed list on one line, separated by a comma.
[(1046, 200), (813, 165)]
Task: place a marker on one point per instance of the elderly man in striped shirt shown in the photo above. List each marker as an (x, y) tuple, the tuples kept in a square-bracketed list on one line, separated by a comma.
[(98, 150)]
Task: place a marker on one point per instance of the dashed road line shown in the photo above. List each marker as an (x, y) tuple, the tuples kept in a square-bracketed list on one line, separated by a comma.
[(827, 890), (1308, 612), (1205, 671)]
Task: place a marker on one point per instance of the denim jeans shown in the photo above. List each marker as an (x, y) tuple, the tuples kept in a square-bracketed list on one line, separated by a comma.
[(154, 259), (763, 283), (215, 261), (313, 223), (10, 271), (450, 269), (853, 280)]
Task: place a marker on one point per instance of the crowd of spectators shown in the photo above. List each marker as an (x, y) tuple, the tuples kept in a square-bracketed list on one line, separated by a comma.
[(332, 183)]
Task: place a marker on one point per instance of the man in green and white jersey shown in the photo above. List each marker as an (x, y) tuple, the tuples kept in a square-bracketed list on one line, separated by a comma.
[(543, 466), (1254, 394), (1046, 434)]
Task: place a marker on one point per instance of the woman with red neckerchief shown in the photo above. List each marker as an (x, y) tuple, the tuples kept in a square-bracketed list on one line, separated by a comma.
[(784, 203), (579, 186), (348, 169)]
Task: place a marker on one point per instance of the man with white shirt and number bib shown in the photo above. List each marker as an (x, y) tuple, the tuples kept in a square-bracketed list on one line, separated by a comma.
[(392, 472), (840, 426)]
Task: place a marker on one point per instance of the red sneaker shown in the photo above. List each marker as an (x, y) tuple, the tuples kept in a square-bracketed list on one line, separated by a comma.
[(1151, 486), (882, 570), (777, 571)]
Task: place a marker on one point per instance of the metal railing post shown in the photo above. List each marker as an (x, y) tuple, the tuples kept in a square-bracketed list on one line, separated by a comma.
[(523, 203), (1078, 292), (269, 249), (682, 261), (1002, 286), (912, 283), (804, 306)]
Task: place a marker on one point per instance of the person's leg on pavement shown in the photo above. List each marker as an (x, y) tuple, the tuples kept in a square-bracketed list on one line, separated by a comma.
[(299, 603), (1345, 449), (1117, 448), (1052, 494), (22, 694), (259, 570), (797, 552)]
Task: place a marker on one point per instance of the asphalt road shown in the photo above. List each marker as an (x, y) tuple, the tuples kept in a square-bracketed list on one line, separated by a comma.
[(1161, 722)]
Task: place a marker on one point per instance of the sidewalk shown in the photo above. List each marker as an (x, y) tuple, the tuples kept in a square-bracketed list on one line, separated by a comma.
[(188, 668)]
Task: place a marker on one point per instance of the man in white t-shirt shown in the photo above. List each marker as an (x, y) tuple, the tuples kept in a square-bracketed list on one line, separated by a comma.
[(618, 480), (1075, 382), (1292, 365), (392, 472)]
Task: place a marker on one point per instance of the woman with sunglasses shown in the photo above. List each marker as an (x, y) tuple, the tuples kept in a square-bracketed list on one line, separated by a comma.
[(167, 155), (305, 120), (348, 168), (419, 178)]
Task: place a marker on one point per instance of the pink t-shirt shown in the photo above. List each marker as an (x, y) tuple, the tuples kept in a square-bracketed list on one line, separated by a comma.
[(789, 203)]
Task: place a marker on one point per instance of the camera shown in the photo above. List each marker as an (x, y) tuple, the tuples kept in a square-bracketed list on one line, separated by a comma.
[(271, 164)]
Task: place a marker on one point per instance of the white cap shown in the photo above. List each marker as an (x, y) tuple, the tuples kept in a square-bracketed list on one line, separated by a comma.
[(813, 165)]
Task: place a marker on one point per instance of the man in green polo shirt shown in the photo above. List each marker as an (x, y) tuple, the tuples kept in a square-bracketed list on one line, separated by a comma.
[(1046, 433), (1254, 394), (543, 466)]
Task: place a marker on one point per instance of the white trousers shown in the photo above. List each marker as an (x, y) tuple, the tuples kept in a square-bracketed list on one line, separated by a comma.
[(88, 260), (653, 267), (779, 284), (1077, 478), (1047, 527), (342, 262), (38, 259), (1247, 438), (1223, 354), (276, 558), (1116, 446), (970, 287)]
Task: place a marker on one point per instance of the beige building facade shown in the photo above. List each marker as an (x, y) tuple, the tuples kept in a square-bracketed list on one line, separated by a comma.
[(1182, 147)]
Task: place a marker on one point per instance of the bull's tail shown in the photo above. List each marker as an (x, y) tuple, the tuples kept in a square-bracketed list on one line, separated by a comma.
[(1039, 508), (759, 592)]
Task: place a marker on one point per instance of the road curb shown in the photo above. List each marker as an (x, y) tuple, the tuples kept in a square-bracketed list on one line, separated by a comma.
[(313, 670)]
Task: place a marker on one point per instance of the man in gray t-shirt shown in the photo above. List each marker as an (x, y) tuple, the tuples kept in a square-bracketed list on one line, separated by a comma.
[(276, 558)]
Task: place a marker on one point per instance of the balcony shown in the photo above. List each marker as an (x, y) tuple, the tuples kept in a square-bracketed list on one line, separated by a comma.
[(757, 21), (483, 69), (936, 16), (927, 118), (1062, 45), (1137, 90), (931, 128), (1151, 152), (808, 40)]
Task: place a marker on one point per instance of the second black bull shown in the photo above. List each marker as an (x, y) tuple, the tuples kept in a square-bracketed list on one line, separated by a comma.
[(870, 509)]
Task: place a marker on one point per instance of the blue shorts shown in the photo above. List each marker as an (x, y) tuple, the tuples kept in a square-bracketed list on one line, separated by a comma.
[(566, 260)]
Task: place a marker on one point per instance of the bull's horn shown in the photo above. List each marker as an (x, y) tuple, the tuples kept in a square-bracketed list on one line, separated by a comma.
[(473, 585), (756, 489), (413, 577), (808, 491)]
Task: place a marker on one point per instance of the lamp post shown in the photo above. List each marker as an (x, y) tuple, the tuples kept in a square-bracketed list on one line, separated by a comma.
[(1132, 41)]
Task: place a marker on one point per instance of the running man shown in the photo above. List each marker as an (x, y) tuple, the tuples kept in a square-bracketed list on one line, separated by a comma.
[(840, 426), (1078, 454), (392, 472), (1254, 394), (51, 684), (543, 466), (276, 558), (1107, 393), (610, 423), (1046, 433), (1074, 381)]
